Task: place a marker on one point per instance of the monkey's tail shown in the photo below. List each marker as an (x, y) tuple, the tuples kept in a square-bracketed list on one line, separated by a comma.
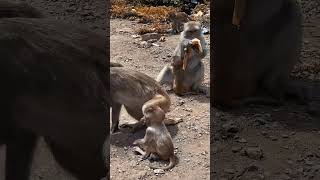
[(173, 161)]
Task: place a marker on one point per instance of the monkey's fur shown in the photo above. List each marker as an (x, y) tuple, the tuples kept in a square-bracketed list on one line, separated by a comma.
[(56, 86), (193, 75), (157, 139), (14, 9), (136, 91), (177, 20), (253, 63)]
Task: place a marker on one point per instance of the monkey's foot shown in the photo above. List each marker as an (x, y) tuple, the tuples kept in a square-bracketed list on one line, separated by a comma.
[(169, 121), (154, 157), (132, 128), (138, 150)]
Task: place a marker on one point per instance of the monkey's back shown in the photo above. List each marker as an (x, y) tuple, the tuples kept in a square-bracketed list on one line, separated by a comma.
[(133, 86)]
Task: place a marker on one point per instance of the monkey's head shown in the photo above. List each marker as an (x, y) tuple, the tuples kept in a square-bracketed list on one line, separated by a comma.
[(192, 29), (153, 115)]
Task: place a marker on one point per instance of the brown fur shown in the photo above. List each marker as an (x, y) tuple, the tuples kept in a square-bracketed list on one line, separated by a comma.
[(56, 86), (157, 139), (177, 20), (14, 9), (254, 62), (186, 70), (136, 91)]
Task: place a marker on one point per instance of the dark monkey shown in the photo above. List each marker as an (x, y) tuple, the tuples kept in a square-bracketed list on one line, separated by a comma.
[(157, 139), (253, 61), (55, 79), (135, 91), (13, 9)]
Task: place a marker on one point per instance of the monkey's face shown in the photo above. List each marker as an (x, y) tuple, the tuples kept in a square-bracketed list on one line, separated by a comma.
[(154, 115), (192, 29)]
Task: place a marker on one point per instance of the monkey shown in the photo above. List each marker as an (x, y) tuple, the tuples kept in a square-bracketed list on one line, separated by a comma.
[(14, 9), (136, 91), (157, 138), (192, 44), (177, 20), (57, 87), (254, 52)]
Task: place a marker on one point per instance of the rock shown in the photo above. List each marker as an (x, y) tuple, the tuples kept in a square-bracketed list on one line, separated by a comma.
[(230, 127), (144, 44), (284, 136), (148, 36), (236, 149), (229, 171), (135, 36), (158, 171), (242, 140), (254, 153), (152, 40)]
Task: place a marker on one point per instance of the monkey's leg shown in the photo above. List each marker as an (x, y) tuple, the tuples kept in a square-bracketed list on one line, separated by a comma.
[(133, 127), (83, 159), (166, 76), (169, 121), (19, 156), (144, 154), (116, 108), (137, 114)]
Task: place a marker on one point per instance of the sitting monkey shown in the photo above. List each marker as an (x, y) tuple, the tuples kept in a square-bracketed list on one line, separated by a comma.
[(189, 53), (157, 139)]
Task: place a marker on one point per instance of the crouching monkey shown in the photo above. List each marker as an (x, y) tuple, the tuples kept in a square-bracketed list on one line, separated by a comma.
[(157, 139), (135, 91)]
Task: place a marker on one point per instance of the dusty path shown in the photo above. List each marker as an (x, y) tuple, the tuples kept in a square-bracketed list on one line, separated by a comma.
[(191, 137)]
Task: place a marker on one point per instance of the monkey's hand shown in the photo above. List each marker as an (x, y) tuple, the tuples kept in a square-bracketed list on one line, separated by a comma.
[(137, 142), (197, 44)]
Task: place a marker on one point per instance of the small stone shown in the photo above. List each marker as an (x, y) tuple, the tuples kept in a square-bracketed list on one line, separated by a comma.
[(236, 149), (229, 171), (254, 153), (158, 171), (273, 138), (230, 127), (148, 36), (264, 133), (242, 140), (284, 136)]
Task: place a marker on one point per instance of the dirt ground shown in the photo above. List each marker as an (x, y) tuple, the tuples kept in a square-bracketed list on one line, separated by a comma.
[(272, 143), (190, 137)]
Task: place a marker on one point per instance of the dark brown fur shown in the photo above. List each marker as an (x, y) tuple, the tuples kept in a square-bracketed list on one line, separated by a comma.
[(55, 85), (14, 9), (255, 60), (157, 139)]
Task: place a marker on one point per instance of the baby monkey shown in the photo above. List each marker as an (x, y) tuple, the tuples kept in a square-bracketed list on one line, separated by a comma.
[(157, 140)]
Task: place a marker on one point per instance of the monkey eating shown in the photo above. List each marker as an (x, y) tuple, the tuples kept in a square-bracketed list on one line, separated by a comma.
[(135, 91), (157, 139), (187, 69)]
